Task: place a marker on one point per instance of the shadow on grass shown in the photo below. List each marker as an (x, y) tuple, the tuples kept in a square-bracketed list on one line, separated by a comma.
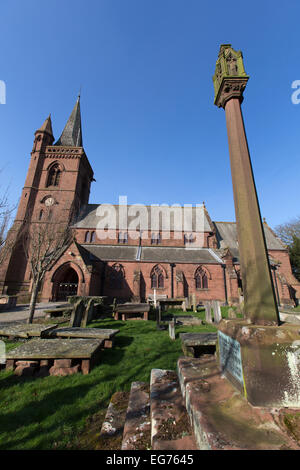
[(11, 380), (53, 412), (36, 412)]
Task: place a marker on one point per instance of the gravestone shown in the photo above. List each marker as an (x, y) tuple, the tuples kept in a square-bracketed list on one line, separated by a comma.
[(64, 352), (77, 314), (172, 329), (231, 313), (194, 303), (217, 311), (208, 318), (88, 314), (21, 330), (154, 298), (159, 314)]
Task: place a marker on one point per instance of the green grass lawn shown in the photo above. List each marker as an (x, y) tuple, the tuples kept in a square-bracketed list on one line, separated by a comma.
[(201, 312), (57, 412)]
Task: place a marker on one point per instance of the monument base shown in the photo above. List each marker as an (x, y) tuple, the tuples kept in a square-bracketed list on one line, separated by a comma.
[(263, 362)]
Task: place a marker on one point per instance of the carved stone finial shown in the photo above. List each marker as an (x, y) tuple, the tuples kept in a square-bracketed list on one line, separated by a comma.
[(230, 78)]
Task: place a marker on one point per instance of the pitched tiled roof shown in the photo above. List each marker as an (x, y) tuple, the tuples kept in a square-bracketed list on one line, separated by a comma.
[(111, 252), (227, 237), (177, 255), (151, 254)]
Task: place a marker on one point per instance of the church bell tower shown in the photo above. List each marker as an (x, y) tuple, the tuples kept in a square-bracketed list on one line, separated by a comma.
[(58, 180)]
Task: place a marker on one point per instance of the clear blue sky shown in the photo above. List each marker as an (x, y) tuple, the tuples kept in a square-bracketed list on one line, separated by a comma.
[(150, 129)]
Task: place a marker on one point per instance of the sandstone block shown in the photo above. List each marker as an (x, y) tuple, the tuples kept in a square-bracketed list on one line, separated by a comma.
[(63, 363), (64, 371), (24, 371), (27, 363), (85, 366)]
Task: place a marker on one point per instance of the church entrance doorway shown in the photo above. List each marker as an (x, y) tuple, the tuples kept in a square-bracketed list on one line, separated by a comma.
[(66, 285)]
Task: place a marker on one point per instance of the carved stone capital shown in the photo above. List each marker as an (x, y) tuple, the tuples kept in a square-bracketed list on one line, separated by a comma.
[(231, 87)]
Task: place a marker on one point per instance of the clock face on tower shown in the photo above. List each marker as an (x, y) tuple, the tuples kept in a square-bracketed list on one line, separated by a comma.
[(49, 201)]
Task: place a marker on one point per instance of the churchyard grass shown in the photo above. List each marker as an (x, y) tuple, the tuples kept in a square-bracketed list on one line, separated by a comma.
[(201, 312), (67, 412)]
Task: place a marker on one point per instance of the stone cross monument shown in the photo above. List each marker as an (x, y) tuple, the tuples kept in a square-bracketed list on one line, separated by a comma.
[(230, 80), (259, 354)]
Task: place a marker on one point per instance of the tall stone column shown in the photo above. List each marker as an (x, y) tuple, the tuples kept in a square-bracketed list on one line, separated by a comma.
[(230, 81)]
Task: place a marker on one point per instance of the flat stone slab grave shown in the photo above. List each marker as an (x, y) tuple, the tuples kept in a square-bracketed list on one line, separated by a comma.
[(24, 330), (187, 320), (130, 310), (60, 351), (95, 333), (196, 344)]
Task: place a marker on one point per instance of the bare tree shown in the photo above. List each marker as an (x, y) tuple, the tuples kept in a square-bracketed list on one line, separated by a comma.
[(290, 235), (44, 241), (6, 210), (286, 232)]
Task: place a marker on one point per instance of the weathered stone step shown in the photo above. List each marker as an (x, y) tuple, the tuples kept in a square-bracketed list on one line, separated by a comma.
[(111, 433), (170, 425), (137, 428), (221, 417)]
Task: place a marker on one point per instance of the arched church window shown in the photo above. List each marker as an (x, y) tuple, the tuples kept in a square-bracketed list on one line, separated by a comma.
[(123, 237), (155, 238), (54, 175), (201, 278), (87, 237), (157, 278), (188, 238), (93, 235), (117, 276), (41, 214)]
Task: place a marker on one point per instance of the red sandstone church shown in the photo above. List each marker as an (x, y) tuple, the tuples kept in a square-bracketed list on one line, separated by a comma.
[(124, 266)]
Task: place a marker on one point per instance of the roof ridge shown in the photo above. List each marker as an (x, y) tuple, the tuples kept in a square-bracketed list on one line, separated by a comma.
[(145, 205), (223, 222)]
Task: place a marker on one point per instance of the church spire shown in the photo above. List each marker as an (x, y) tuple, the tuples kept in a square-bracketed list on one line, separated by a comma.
[(47, 126), (72, 133)]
